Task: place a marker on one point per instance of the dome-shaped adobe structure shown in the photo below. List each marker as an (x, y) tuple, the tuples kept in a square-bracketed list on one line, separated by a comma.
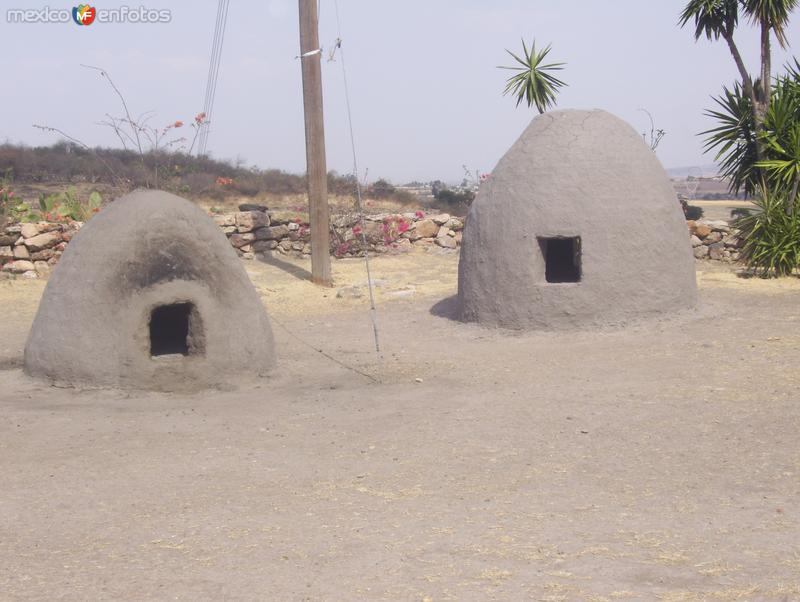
[(578, 225), (149, 294)]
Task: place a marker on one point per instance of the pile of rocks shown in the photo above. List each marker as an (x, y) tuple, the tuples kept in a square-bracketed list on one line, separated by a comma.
[(714, 239), (31, 249)]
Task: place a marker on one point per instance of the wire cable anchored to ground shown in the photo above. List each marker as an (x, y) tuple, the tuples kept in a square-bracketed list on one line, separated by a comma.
[(324, 353), (359, 204)]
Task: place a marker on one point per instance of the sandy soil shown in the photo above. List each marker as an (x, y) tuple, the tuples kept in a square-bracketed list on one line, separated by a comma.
[(721, 209), (655, 462)]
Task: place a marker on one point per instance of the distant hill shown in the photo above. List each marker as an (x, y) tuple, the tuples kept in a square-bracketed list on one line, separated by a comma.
[(709, 170)]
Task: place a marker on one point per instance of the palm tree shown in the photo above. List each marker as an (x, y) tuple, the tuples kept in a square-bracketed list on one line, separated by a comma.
[(533, 83), (769, 15), (716, 19)]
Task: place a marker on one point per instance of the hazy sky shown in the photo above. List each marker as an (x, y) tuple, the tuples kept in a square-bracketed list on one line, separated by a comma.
[(425, 89)]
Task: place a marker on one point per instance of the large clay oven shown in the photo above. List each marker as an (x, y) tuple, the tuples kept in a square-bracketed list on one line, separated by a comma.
[(577, 226), (149, 294)]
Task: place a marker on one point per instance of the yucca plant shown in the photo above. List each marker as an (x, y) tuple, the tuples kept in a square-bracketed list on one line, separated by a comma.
[(771, 237), (784, 170), (735, 139), (534, 84), (781, 137)]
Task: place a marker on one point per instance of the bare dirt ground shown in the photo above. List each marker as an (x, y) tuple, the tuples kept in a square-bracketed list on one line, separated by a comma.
[(656, 462), (721, 209)]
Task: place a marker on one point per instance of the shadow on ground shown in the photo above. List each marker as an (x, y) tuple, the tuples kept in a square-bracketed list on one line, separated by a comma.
[(11, 363), (289, 268), (446, 308)]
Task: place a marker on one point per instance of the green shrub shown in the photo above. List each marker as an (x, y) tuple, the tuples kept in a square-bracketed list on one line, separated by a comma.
[(771, 237), (12, 207)]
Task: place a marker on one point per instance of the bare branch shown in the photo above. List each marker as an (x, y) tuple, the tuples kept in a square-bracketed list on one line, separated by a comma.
[(105, 74), (655, 135), (116, 121), (113, 125)]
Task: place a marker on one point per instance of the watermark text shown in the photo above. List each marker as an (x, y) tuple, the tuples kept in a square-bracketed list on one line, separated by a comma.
[(86, 15)]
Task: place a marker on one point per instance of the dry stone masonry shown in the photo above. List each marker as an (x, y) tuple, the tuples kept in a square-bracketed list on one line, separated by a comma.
[(254, 232), (30, 250), (714, 239)]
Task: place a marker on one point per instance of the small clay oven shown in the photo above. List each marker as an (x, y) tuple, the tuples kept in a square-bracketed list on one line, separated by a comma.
[(577, 226), (149, 294)]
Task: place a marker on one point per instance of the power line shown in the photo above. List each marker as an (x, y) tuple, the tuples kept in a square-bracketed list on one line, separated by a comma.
[(216, 72), (212, 59), (213, 71)]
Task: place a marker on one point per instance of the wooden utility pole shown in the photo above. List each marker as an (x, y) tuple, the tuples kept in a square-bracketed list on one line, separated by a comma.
[(316, 170)]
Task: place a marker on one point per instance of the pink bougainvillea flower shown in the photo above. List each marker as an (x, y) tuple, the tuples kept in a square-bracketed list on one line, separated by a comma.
[(402, 226), (419, 214), (356, 230), (200, 118)]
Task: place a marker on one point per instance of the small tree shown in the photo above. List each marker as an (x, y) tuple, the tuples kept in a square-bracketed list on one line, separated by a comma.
[(534, 83), (137, 133)]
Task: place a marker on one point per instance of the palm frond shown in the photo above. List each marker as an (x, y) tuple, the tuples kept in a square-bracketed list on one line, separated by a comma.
[(534, 83), (712, 18), (773, 13)]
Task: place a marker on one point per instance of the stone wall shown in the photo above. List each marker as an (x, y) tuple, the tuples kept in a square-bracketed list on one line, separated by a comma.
[(714, 239), (253, 232), (30, 250)]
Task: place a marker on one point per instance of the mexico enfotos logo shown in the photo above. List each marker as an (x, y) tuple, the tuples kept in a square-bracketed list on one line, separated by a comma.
[(85, 14)]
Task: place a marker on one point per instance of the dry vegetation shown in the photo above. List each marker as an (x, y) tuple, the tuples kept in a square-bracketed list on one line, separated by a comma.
[(210, 182)]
